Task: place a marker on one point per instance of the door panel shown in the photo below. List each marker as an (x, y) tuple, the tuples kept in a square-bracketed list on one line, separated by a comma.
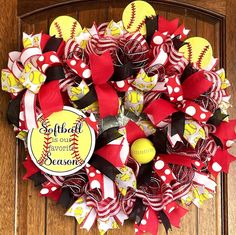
[(36, 215)]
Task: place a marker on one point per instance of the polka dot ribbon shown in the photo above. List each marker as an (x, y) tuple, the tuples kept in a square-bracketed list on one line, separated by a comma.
[(161, 165), (173, 211), (28, 69), (47, 60), (99, 181), (182, 98), (79, 67), (222, 158)]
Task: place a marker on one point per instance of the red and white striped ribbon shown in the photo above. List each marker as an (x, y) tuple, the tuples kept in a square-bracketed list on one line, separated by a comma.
[(30, 117)]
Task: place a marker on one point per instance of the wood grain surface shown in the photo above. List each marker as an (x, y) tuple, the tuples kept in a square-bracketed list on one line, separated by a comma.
[(8, 36), (23, 211), (231, 73)]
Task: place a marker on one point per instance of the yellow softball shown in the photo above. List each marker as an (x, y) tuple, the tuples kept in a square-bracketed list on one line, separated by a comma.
[(65, 27), (193, 132), (92, 108), (114, 29), (27, 42), (36, 77), (36, 40), (142, 150), (27, 67), (137, 109), (76, 93), (12, 81), (190, 128), (148, 79), (134, 97), (147, 127), (135, 14), (198, 51)]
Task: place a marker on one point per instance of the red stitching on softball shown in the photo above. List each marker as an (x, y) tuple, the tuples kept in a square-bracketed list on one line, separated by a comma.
[(73, 29), (141, 25), (74, 138), (133, 14), (190, 54), (199, 62), (46, 143), (58, 29)]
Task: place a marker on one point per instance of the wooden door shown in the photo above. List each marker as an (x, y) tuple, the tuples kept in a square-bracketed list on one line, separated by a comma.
[(22, 210)]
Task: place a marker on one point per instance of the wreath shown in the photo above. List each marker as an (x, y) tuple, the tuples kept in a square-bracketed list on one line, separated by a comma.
[(123, 120)]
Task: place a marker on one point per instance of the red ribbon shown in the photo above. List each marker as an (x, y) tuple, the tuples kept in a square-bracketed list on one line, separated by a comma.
[(30, 167), (175, 212), (162, 168), (133, 132), (159, 109), (182, 98), (102, 70), (226, 132), (50, 98), (197, 81), (149, 223), (220, 162), (111, 153), (165, 25)]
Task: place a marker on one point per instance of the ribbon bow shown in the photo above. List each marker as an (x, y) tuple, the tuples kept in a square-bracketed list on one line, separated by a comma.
[(181, 99), (22, 72), (102, 70), (108, 213), (31, 69), (106, 169)]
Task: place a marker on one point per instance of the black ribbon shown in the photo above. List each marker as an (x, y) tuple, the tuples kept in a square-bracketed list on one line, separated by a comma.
[(177, 123), (165, 220), (151, 26), (177, 42), (55, 73), (159, 140), (131, 115), (217, 118), (138, 211), (188, 71), (13, 110), (38, 178), (104, 166), (107, 136), (217, 141), (52, 44), (145, 173), (123, 72), (66, 199), (86, 100)]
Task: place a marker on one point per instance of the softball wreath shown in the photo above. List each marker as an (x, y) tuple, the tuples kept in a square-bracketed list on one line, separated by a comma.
[(123, 120)]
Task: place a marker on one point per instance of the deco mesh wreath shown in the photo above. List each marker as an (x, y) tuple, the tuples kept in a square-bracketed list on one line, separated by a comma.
[(125, 120)]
